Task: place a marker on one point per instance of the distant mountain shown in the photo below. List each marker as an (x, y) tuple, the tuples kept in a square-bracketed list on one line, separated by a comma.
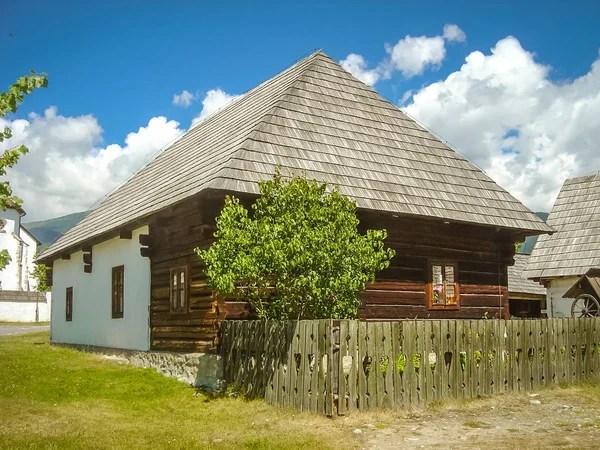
[(47, 231), (531, 240)]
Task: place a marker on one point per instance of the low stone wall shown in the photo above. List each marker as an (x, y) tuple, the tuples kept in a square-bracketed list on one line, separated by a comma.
[(196, 369)]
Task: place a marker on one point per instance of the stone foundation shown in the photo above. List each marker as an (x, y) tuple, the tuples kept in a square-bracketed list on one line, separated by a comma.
[(196, 369)]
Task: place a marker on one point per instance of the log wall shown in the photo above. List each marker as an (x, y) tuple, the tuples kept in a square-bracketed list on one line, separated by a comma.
[(399, 292), (173, 240)]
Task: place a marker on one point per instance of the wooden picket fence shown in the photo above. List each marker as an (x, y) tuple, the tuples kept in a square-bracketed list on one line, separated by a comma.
[(336, 367)]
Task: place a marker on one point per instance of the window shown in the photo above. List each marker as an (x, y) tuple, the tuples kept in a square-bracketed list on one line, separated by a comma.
[(69, 304), (443, 288), (118, 282), (179, 290)]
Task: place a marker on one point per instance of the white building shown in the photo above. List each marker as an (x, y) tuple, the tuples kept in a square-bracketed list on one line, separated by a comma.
[(559, 260), (19, 300), (87, 317)]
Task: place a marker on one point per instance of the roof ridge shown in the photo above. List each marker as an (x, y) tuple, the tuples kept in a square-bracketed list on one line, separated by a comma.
[(590, 177), (260, 125)]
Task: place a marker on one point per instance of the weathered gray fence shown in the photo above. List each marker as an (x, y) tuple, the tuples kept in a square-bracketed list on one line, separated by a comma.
[(337, 367)]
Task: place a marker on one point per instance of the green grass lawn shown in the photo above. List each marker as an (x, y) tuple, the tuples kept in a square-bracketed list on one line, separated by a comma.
[(52, 397)]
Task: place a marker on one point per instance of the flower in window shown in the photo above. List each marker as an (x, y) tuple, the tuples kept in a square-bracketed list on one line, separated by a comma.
[(437, 294)]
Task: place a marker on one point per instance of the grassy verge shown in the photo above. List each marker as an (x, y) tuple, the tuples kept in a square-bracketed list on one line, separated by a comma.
[(54, 397)]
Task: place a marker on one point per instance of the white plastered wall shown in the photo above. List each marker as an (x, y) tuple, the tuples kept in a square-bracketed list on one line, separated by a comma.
[(28, 283), (9, 276), (557, 305), (25, 311), (92, 322)]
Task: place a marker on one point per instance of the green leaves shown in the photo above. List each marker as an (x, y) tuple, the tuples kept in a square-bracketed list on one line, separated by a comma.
[(9, 103), (299, 256), (5, 258), (39, 275)]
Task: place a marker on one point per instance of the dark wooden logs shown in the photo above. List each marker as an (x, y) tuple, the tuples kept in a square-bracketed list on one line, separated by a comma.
[(146, 252), (400, 292), (170, 244)]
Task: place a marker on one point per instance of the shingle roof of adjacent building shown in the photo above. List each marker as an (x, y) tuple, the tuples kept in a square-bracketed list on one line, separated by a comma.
[(575, 247), (316, 117), (518, 283)]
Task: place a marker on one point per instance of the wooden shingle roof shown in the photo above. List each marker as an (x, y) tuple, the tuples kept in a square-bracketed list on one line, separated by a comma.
[(316, 117), (518, 282), (575, 247)]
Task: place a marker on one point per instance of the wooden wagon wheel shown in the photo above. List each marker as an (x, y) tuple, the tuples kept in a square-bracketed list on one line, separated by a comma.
[(585, 305)]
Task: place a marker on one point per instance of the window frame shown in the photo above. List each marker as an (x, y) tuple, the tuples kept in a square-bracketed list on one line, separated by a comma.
[(175, 291), (443, 263), (69, 304), (118, 292)]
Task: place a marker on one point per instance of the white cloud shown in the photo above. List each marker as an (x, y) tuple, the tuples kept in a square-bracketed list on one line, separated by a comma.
[(410, 55), (184, 99), (408, 94), (214, 100), (453, 33), (66, 169), (504, 113), (357, 66)]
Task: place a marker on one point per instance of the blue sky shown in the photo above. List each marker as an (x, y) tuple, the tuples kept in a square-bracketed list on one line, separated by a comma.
[(122, 62)]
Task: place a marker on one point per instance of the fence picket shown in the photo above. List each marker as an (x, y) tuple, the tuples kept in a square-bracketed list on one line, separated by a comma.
[(361, 363), (420, 362), (352, 348), (595, 348), (378, 366), (409, 377), (395, 364), (388, 369), (329, 373), (510, 356), (341, 374), (454, 347)]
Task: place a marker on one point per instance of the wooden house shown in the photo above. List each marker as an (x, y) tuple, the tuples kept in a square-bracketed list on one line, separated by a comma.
[(558, 261), (526, 298), (127, 275)]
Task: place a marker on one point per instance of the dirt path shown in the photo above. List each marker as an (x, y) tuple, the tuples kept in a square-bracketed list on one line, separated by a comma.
[(563, 418)]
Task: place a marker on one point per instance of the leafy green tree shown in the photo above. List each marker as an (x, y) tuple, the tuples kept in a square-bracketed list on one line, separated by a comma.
[(39, 275), (9, 103), (299, 255)]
